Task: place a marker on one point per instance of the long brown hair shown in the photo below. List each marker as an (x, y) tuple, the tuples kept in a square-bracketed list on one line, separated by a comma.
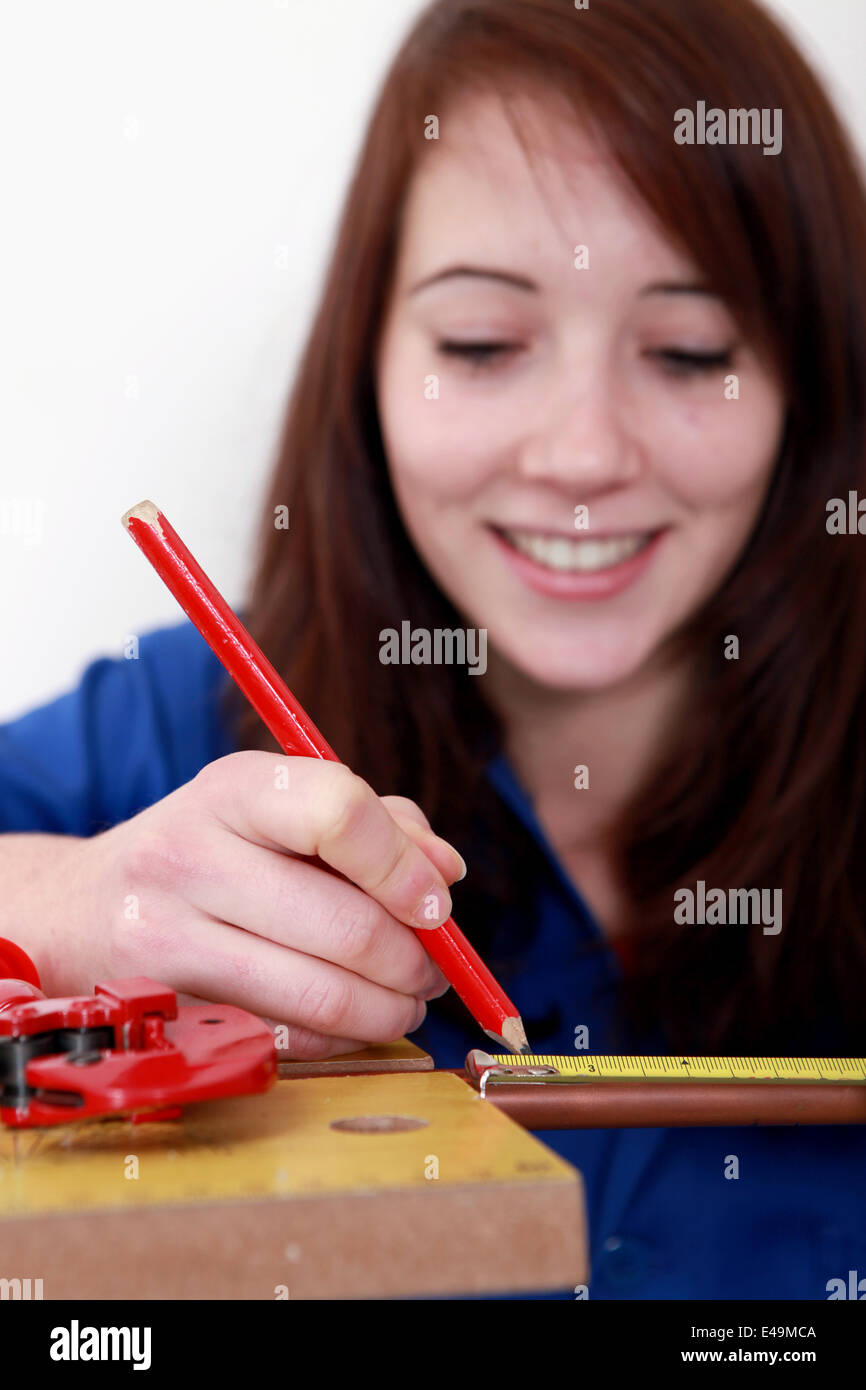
[(765, 786)]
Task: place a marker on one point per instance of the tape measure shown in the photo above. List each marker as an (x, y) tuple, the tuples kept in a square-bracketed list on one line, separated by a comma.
[(592, 1091), (593, 1068)]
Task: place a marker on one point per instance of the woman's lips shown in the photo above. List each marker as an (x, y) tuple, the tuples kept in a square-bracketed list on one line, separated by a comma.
[(606, 581)]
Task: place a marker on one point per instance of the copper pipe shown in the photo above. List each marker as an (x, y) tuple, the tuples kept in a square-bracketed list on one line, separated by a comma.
[(651, 1104)]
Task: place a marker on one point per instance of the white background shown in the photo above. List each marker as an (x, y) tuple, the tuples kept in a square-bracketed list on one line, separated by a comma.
[(171, 174)]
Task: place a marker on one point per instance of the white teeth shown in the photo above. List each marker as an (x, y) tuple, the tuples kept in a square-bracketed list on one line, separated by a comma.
[(562, 553)]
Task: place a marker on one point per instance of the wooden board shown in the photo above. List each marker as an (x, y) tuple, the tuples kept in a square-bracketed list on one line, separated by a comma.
[(263, 1197), (401, 1055)]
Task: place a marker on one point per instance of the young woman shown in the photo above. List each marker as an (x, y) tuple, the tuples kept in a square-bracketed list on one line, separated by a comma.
[(586, 387)]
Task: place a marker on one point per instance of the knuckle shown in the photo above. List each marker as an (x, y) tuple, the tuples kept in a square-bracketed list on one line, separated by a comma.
[(157, 858), (209, 778), (208, 775), (232, 768), (172, 854), (348, 806), (354, 931), (389, 869), (325, 1004), (409, 810)]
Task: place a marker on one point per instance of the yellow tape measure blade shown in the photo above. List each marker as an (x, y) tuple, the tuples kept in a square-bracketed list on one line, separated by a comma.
[(544, 1069)]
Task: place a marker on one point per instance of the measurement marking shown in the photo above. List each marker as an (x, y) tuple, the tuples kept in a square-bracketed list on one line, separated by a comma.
[(757, 1070)]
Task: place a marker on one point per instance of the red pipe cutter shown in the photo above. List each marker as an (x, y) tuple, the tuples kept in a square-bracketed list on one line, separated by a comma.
[(128, 1050)]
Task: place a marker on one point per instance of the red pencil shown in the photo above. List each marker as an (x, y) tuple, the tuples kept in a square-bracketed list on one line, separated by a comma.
[(297, 735)]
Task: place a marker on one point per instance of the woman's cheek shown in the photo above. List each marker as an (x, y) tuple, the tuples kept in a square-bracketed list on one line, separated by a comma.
[(438, 450), (716, 455)]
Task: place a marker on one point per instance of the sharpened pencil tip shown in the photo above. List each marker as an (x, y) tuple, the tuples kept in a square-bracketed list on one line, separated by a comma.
[(512, 1037)]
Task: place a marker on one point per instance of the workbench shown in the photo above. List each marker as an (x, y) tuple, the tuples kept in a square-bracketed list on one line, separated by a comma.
[(368, 1176)]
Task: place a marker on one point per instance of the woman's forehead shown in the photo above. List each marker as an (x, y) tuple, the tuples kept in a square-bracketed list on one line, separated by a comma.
[(525, 197)]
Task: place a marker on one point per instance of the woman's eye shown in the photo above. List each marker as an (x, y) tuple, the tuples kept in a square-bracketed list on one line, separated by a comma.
[(476, 354), (679, 362)]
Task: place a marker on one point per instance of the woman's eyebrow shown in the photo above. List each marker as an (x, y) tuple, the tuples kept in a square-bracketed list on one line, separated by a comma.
[(522, 282), (506, 277)]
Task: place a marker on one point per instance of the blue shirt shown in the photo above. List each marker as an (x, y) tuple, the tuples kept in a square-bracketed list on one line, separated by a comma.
[(664, 1221)]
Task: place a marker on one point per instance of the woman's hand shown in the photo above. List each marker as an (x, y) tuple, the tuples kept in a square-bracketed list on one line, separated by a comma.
[(283, 885)]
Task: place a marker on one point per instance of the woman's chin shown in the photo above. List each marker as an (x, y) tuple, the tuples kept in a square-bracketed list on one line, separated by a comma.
[(574, 670)]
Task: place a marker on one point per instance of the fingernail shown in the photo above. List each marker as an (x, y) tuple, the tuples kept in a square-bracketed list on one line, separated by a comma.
[(462, 873), (457, 855), (433, 909)]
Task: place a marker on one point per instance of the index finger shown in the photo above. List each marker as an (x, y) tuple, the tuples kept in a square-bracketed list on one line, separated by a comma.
[(324, 809)]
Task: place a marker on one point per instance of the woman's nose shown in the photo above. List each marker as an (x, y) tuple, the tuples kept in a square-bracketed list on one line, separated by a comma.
[(584, 440)]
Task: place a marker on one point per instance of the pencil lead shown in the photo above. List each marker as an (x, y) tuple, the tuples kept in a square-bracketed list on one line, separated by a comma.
[(512, 1037)]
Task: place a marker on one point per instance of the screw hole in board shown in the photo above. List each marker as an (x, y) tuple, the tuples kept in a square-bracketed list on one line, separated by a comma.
[(378, 1124)]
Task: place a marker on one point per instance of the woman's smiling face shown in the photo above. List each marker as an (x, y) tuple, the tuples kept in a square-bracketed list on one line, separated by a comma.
[(564, 386)]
